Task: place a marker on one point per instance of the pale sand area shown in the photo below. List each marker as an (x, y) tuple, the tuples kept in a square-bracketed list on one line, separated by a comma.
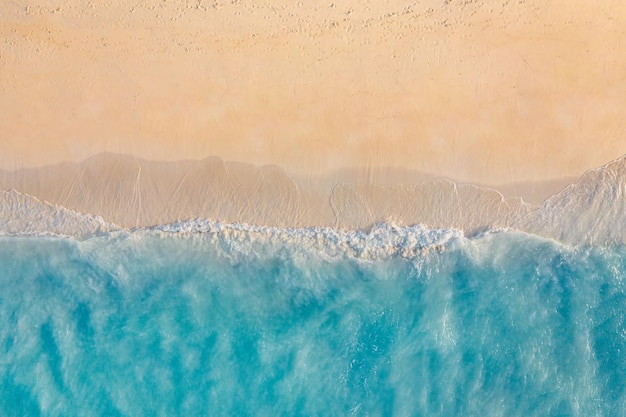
[(488, 92)]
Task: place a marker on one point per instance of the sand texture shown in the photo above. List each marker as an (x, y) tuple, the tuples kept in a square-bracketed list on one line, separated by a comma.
[(134, 192), (489, 92)]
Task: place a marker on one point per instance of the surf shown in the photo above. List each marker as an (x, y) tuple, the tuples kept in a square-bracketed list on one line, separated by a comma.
[(210, 318)]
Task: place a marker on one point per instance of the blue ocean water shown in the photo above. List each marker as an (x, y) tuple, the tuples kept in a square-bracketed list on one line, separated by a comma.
[(149, 323)]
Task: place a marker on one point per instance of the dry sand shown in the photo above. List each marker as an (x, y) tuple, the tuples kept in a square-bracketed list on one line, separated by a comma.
[(489, 92)]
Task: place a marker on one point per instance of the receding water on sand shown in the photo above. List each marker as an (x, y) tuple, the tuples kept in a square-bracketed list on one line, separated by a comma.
[(232, 320)]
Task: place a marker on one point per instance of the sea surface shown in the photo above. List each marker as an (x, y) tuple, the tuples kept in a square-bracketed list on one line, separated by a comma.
[(230, 320)]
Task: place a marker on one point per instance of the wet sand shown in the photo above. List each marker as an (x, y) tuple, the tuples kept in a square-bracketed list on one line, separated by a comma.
[(133, 192), (110, 191)]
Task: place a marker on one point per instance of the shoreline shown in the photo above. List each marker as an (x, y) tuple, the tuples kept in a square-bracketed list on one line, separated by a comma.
[(108, 191)]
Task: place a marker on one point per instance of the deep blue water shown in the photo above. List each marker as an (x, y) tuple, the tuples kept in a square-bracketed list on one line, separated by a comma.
[(153, 324)]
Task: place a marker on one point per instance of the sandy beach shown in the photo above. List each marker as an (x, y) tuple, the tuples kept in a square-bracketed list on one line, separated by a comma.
[(307, 100), (308, 208)]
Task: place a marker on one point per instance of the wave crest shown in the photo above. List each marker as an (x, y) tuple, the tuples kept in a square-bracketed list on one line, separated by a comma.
[(382, 241)]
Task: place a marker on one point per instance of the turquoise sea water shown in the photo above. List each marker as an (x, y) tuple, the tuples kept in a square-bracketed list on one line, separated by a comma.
[(149, 323)]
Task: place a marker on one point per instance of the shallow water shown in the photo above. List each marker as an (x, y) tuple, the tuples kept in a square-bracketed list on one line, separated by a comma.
[(149, 323)]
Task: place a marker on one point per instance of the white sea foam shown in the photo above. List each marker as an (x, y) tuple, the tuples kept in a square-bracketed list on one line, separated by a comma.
[(383, 240)]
